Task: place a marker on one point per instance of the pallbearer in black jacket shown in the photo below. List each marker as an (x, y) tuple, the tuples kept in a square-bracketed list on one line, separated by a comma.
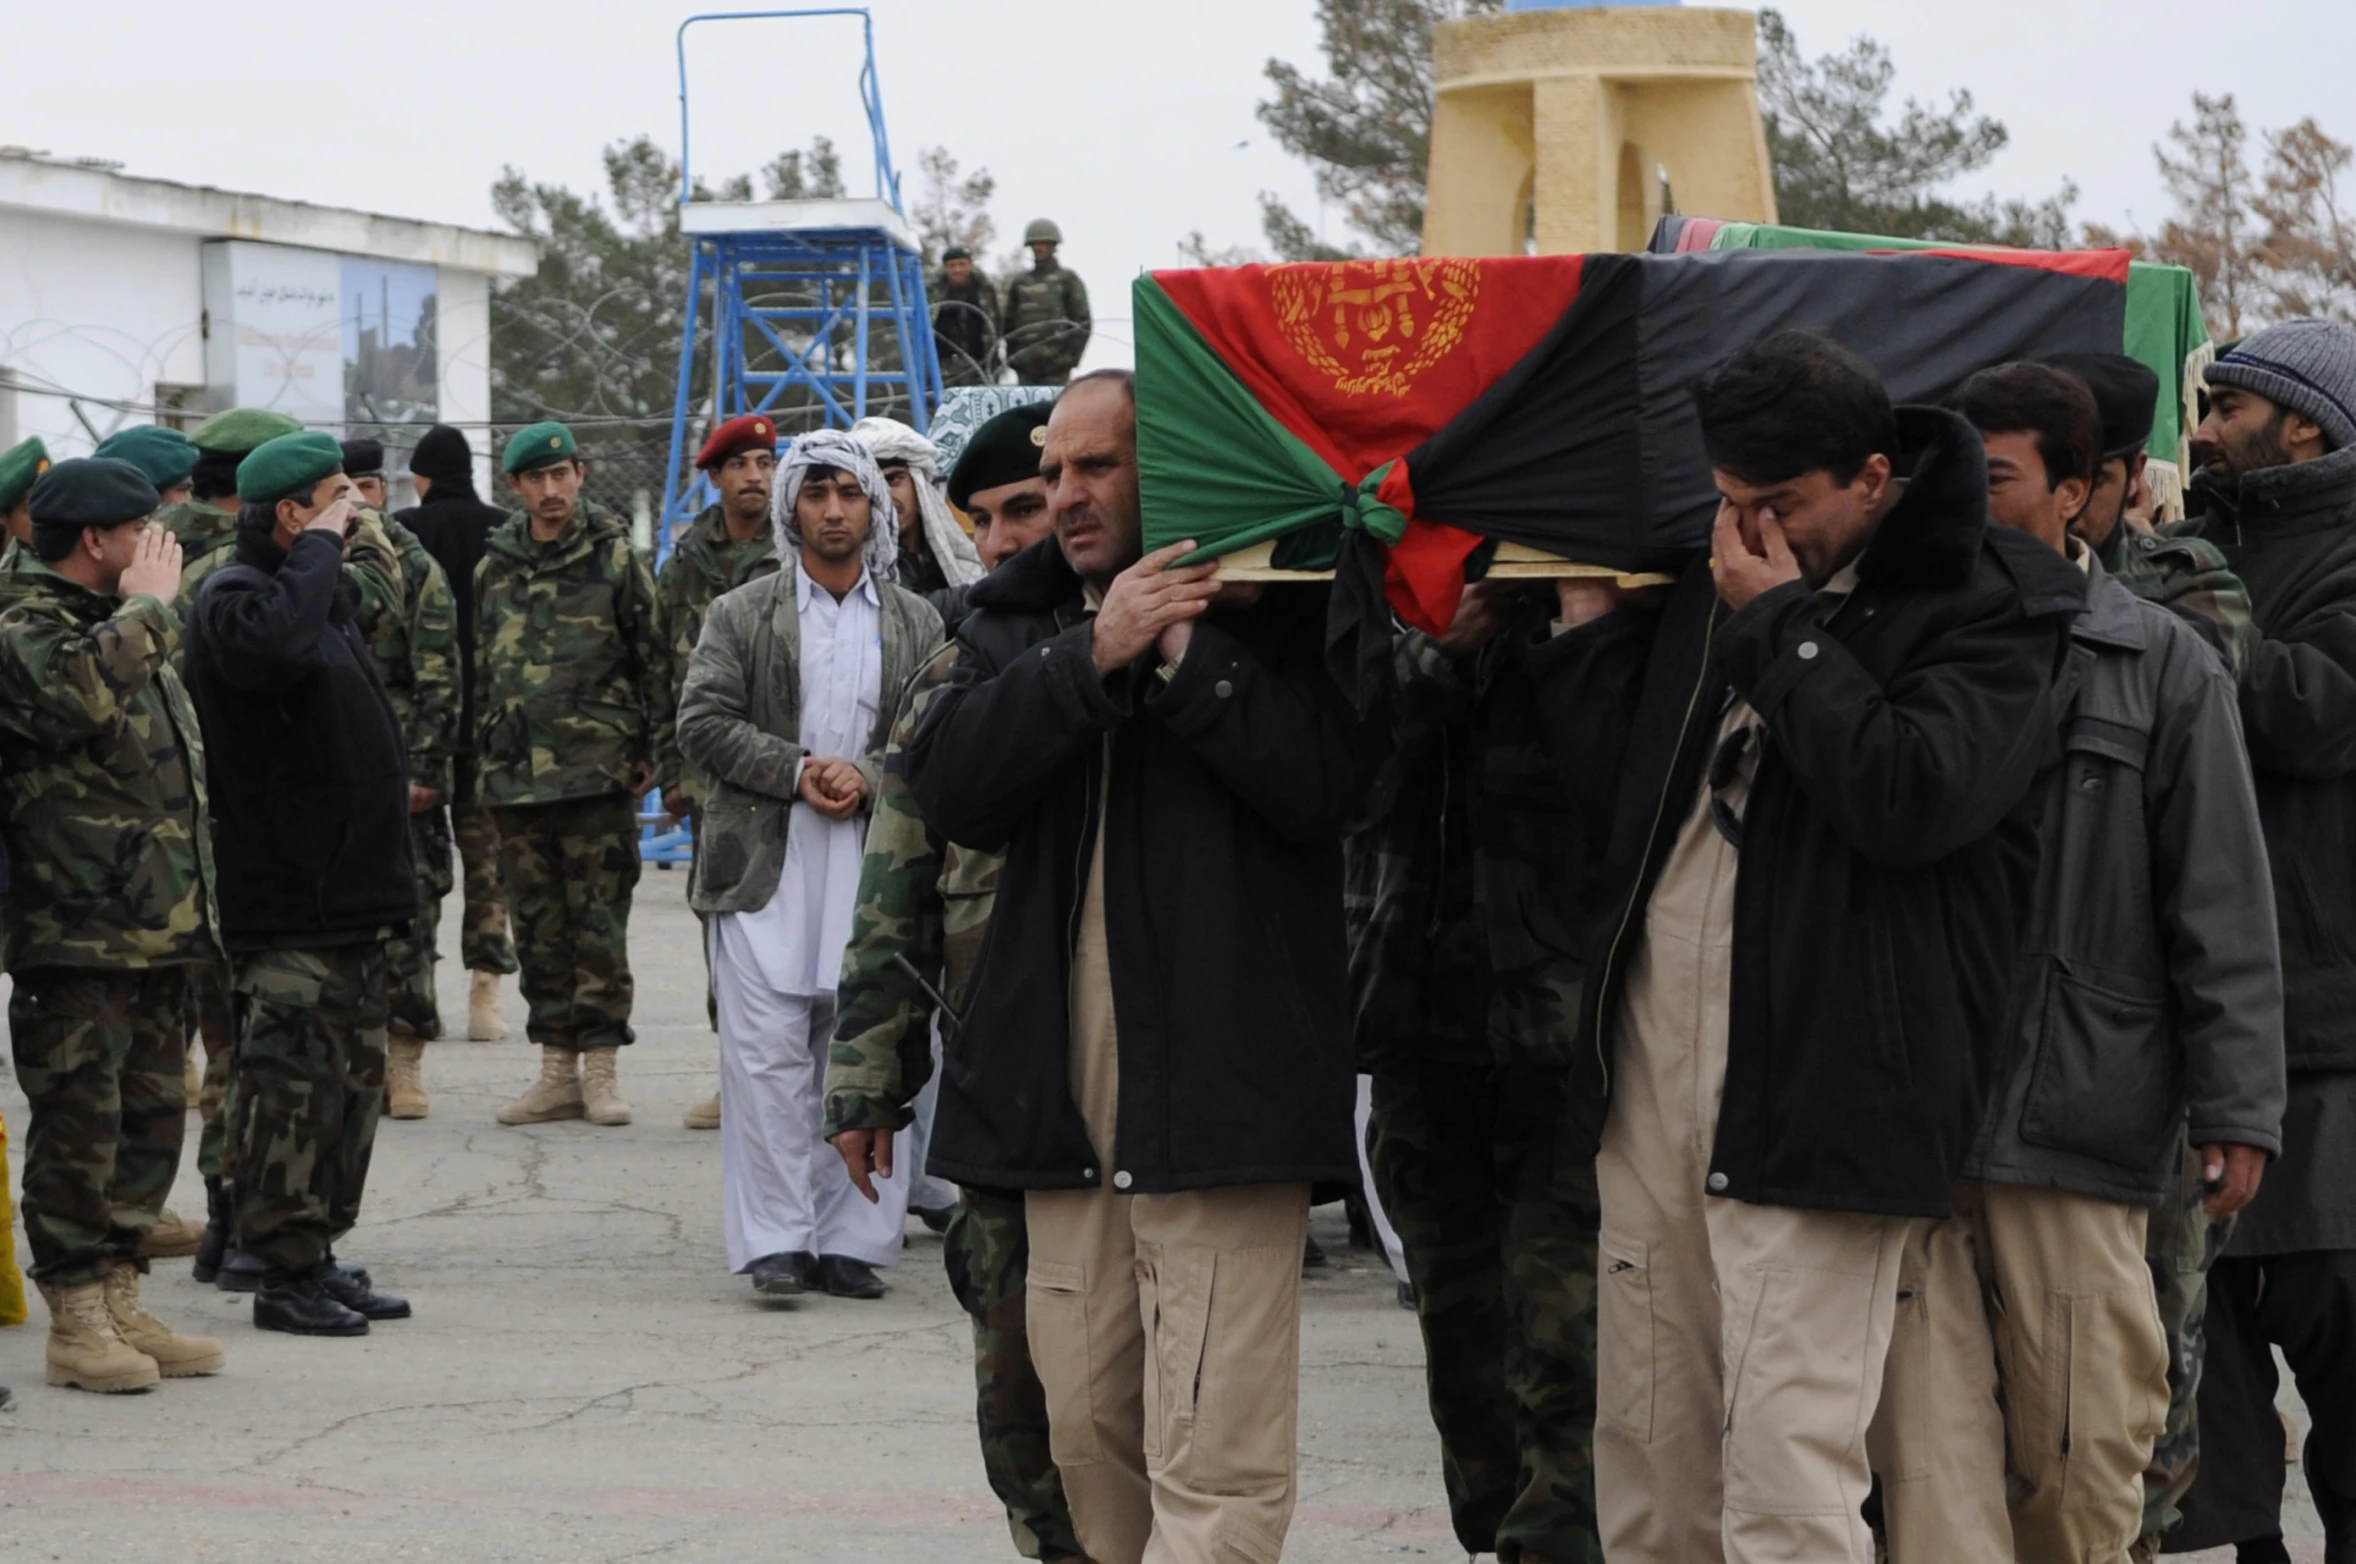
[(1157, 1043), (2028, 1377), (1782, 1065)]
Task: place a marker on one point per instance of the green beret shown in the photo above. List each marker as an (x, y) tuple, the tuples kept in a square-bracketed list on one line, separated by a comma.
[(92, 491), (19, 466), (165, 455), (240, 430), (537, 446), (1005, 450), (288, 467)]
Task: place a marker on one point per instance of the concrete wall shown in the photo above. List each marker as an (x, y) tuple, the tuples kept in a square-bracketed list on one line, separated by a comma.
[(97, 311), (104, 313), (1581, 111)]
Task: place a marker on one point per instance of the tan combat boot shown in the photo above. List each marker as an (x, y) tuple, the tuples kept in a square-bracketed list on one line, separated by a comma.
[(176, 1356), (555, 1095), (601, 1094), (171, 1238), (704, 1115), (85, 1349), (483, 1023), (404, 1079)]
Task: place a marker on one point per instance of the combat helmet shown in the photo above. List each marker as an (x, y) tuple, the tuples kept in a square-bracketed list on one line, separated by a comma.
[(1042, 231)]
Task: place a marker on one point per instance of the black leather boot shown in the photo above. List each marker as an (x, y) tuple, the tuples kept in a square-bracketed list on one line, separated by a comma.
[(357, 1294), (299, 1303), (240, 1272), (215, 1248)]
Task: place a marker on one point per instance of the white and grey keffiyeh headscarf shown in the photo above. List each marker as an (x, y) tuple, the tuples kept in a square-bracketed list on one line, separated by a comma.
[(893, 441), (833, 448)]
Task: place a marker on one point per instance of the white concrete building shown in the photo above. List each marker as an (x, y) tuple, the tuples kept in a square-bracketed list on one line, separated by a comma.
[(127, 300)]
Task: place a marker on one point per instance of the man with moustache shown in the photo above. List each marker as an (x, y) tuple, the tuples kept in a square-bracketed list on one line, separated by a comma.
[(1156, 1050), (788, 703)]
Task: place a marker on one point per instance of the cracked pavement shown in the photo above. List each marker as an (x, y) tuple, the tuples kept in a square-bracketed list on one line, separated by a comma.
[(583, 1381)]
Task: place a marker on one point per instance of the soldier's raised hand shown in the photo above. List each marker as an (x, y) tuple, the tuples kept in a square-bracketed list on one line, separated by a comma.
[(154, 570)]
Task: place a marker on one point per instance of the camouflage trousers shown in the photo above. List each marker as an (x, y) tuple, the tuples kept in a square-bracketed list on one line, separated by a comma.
[(569, 869), (310, 1084), (411, 957), (2180, 1245), (1498, 1214), (988, 1252), (482, 941), (99, 1054), (212, 1017)]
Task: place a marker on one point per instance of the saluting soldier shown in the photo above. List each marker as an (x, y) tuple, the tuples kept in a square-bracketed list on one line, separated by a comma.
[(310, 798), (573, 706), (166, 456), (110, 903), (20, 466), (727, 545), (206, 526), (413, 640), (1047, 320)]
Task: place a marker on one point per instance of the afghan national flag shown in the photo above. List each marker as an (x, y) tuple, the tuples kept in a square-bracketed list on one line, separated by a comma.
[(1427, 405)]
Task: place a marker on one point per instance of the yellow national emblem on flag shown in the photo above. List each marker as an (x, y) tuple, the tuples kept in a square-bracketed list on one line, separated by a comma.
[(1375, 326)]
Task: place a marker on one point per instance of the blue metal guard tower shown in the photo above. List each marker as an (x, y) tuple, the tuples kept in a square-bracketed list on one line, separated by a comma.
[(817, 315)]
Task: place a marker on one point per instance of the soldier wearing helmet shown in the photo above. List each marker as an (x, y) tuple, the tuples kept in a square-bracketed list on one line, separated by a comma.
[(1046, 315)]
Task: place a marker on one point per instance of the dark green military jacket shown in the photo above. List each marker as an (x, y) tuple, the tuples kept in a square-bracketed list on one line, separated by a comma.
[(1466, 890), (409, 617), (921, 898), (2187, 575), (102, 771), (573, 688), (1047, 324), (208, 540), (705, 562)]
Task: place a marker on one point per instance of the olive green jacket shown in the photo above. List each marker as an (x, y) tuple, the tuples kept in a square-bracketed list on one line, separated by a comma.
[(102, 772), (572, 668), (740, 720)]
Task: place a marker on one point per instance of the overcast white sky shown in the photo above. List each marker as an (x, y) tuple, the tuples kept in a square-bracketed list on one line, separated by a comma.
[(1129, 122)]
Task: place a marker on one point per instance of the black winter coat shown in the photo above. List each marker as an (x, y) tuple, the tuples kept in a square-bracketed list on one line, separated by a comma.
[(1888, 843), (1223, 882), (454, 526), (304, 762)]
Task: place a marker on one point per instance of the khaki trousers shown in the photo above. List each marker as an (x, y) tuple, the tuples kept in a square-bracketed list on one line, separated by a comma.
[(1167, 1333), (1166, 1329), (1740, 1347), (2028, 1380)]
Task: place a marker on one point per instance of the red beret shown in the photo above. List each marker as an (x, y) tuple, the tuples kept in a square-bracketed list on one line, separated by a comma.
[(754, 431)]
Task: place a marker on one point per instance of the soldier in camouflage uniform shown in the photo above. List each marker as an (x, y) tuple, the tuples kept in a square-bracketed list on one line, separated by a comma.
[(1465, 920), (929, 902), (414, 641), (1046, 314), (109, 904), (2189, 576), (206, 526), (574, 705), (727, 545)]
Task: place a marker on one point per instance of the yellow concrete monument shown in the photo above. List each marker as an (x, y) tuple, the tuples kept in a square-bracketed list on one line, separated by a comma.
[(1563, 128)]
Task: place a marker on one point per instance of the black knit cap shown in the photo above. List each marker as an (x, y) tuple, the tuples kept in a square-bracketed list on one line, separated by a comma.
[(1004, 450), (91, 491), (443, 455), (2126, 393), (363, 458)]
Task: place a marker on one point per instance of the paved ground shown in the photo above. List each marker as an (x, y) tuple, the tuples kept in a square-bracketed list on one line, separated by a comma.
[(584, 1382)]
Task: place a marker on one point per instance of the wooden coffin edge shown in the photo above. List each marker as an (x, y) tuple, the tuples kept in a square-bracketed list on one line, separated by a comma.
[(1514, 562)]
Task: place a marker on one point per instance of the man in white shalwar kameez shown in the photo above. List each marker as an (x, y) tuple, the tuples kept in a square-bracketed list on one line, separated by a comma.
[(789, 698)]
